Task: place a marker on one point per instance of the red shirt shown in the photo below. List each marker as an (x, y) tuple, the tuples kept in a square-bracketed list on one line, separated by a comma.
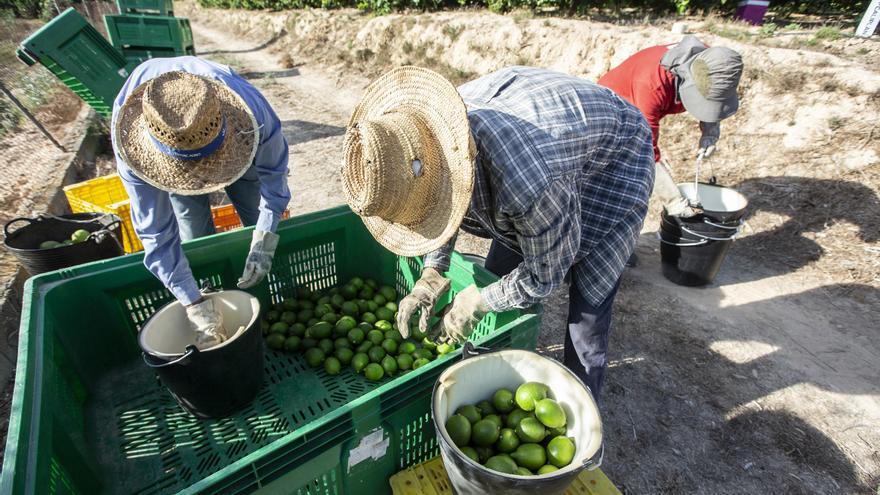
[(641, 81)]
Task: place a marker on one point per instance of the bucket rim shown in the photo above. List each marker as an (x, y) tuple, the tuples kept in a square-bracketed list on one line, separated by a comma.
[(687, 187), (589, 463), (170, 356)]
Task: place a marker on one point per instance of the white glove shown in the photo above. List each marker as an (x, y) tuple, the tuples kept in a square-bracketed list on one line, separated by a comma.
[(667, 191), (259, 260), (711, 131), (207, 324)]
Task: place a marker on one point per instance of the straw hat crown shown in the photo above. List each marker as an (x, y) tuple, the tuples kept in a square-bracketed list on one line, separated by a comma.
[(182, 110)]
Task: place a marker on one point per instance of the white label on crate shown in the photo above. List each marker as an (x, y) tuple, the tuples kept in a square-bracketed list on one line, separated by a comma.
[(372, 446)]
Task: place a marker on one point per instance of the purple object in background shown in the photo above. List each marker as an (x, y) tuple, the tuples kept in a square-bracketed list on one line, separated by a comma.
[(752, 11)]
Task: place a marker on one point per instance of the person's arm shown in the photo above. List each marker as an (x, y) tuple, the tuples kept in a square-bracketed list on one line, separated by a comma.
[(652, 102), (271, 162), (549, 235), (439, 259), (156, 226)]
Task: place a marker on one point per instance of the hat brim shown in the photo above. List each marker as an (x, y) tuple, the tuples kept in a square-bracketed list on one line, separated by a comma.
[(188, 177), (441, 108), (703, 109)]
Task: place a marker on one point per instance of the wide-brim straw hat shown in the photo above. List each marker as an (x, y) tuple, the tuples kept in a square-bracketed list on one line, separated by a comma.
[(408, 167), (186, 134)]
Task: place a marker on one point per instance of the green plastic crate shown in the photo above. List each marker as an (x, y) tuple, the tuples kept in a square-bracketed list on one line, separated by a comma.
[(137, 55), (80, 57), (154, 7), (146, 31), (89, 417)]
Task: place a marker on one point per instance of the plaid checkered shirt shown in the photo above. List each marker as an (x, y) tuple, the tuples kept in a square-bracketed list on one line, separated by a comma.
[(564, 170)]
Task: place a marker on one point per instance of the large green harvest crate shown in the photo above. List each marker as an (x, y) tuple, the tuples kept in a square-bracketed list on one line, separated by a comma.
[(138, 55), (77, 54), (89, 417), (149, 31), (155, 7)]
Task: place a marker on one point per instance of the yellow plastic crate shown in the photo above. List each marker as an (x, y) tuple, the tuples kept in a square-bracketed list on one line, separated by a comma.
[(107, 194), (429, 478)]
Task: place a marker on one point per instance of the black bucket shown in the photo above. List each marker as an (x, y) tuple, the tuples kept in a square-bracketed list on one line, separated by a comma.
[(215, 382), (476, 378), (24, 242), (693, 249)]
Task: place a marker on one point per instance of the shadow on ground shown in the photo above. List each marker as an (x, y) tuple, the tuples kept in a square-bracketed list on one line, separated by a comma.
[(301, 131), (269, 73), (271, 41)]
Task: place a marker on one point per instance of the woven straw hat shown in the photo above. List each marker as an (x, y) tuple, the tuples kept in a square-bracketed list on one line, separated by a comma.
[(408, 167), (186, 134)]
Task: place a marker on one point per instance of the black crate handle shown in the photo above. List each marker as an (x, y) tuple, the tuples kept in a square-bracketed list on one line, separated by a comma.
[(14, 220)]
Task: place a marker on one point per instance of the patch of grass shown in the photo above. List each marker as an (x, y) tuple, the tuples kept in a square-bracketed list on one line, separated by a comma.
[(786, 81), (862, 51), (829, 33), (768, 30), (522, 15), (731, 33), (453, 31), (836, 122), (793, 27)]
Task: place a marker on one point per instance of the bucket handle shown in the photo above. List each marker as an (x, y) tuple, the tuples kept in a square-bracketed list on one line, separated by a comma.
[(469, 350), (704, 236), (593, 463), (14, 220), (664, 241), (190, 350)]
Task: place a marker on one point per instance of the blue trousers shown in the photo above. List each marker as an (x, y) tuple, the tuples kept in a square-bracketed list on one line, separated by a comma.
[(586, 341), (193, 213)]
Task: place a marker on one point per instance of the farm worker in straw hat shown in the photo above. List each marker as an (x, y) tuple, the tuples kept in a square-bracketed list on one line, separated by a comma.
[(183, 128), (556, 170), (688, 76)]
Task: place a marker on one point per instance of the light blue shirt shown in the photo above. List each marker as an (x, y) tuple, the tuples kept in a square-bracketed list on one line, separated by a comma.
[(151, 211)]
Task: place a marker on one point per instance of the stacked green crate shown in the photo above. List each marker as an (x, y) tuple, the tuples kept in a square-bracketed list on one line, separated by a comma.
[(141, 37), (77, 54), (155, 7)]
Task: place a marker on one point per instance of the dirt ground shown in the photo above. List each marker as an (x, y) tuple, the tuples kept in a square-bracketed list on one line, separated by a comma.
[(764, 382)]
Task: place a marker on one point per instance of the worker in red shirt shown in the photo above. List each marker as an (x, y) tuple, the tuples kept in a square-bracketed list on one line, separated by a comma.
[(667, 79)]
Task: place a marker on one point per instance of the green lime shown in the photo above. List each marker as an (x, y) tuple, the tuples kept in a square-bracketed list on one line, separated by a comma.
[(379, 299), (341, 342), (374, 372), (364, 346), (394, 335), (392, 306), (388, 293), (348, 291), (389, 364), (376, 336), (369, 318), (290, 304), (444, 349), (470, 412), (362, 306), (356, 336), (484, 453), (507, 441), (470, 452), (371, 283), (372, 307), (264, 327), (366, 327), (383, 325), (321, 330), (422, 354), (308, 343), (279, 328), (288, 317), (495, 419), (560, 451), (275, 341), (291, 344), (297, 329), (555, 432), (273, 315), (367, 293), (333, 291), (312, 322), (528, 394), (530, 430), (79, 236), (427, 344), (305, 315), (323, 300), (485, 433), (344, 355), (337, 301), (503, 400), (486, 408), (345, 324), (376, 354), (405, 362), (407, 348), (330, 318), (384, 313), (459, 430), (332, 366), (350, 308), (49, 244), (549, 412), (359, 361), (502, 463), (357, 283), (418, 363), (314, 357), (323, 309), (390, 346), (521, 471), (327, 346), (547, 468), (530, 455), (304, 303)]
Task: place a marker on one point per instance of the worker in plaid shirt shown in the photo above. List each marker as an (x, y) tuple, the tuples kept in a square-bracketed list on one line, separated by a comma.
[(561, 180)]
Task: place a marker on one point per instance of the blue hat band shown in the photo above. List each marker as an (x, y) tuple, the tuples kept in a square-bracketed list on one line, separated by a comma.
[(196, 154)]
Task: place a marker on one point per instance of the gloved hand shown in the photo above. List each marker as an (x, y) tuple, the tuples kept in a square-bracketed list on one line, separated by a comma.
[(667, 191), (468, 308), (207, 322), (711, 131), (259, 260), (423, 297)]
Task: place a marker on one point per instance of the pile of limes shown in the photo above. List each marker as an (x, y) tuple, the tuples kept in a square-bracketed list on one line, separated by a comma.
[(80, 235), (520, 433), (351, 325)]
